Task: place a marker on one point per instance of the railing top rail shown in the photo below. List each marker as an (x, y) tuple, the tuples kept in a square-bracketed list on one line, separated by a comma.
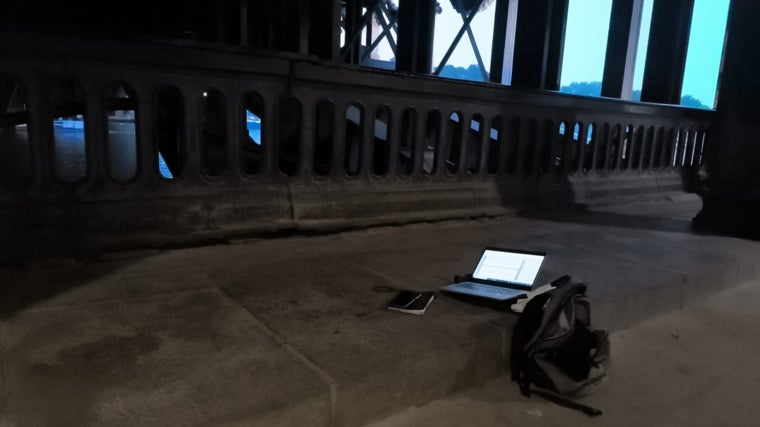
[(489, 93), (297, 69), (168, 53)]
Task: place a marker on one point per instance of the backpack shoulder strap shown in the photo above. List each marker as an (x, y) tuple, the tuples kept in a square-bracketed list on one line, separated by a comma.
[(567, 403), (558, 298), (524, 330)]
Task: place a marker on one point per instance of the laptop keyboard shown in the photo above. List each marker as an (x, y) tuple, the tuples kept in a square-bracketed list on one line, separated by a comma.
[(490, 289)]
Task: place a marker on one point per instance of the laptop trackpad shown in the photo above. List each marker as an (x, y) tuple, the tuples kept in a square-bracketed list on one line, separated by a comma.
[(485, 291)]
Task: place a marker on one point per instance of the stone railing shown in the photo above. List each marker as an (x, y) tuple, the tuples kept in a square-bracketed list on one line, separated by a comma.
[(109, 145)]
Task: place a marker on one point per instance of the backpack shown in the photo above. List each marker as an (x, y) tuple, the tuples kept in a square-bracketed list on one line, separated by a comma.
[(555, 350)]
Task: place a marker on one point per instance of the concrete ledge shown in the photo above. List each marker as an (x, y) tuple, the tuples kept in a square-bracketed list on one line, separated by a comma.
[(290, 331), (149, 361), (186, 215), (379, 360)]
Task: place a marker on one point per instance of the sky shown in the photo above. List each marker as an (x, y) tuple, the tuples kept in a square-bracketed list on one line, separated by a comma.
[(448, 23), (705, 49), (586, 38), (585, 41)]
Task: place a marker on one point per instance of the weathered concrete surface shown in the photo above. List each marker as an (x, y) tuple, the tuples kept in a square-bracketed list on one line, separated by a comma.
[(274, 188), (697, 367), (340, 324), (289, 331), (188, 358)]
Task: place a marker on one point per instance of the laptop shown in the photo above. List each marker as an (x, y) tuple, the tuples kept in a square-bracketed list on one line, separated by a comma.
[(501, 274)]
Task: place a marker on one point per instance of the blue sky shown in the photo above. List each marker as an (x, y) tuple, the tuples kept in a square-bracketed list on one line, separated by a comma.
[(448, 23), (586, 38), (705, 49)]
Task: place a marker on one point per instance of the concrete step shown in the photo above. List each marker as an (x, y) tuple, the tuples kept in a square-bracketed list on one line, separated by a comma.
[(665, 372), (290, 332)]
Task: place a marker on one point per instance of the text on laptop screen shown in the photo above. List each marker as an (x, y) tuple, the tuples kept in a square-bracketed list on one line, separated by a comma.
[(508, 267)]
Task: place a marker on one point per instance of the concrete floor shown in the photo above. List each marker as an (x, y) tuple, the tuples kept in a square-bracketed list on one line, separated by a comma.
[(698, 366), (289, 332)]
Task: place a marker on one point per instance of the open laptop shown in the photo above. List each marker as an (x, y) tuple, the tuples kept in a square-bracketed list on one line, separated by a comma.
[(501, 274)]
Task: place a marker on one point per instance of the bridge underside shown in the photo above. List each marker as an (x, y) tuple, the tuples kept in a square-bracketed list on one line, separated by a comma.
[(220, 135)]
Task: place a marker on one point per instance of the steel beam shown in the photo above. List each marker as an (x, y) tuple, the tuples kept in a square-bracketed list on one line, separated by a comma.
[(556, 44), (416, 25), (539, 37), (622, 42), (324, 29), (500, 41), (666, 51)]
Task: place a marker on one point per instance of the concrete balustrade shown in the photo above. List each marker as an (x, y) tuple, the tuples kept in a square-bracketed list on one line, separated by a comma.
[(168, 150)]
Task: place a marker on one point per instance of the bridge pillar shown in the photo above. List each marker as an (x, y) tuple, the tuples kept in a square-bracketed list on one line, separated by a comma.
[(622, 41), (324, 28), (416, 24), (666, 51), (539, 41), (731, 194)]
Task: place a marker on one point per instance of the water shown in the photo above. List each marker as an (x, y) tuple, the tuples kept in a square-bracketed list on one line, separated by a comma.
[(122, 150), (71, 155), (254, 131)]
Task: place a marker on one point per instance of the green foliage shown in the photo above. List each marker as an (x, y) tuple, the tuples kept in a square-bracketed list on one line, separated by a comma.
[(690, 101), (471, 73), (595, 89), (583, 88)]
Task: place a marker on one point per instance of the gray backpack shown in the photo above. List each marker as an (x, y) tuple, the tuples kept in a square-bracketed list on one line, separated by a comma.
[(555, 353)]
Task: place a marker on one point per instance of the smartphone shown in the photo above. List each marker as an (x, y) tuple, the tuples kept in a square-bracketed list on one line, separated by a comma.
[(411, 302), (404, 299)]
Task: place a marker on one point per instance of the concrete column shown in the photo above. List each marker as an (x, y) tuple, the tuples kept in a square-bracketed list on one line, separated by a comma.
[(276, 25), (666, 51), (243, 23), (556, 44), (416, 25), (40, 134), (622, 41), (731, 195), (539, 38), (97, 125), (352, 26), (324, 29), (503, 45)]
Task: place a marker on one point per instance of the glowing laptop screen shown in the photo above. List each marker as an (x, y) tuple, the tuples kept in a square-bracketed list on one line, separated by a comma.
[(510, 267)]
